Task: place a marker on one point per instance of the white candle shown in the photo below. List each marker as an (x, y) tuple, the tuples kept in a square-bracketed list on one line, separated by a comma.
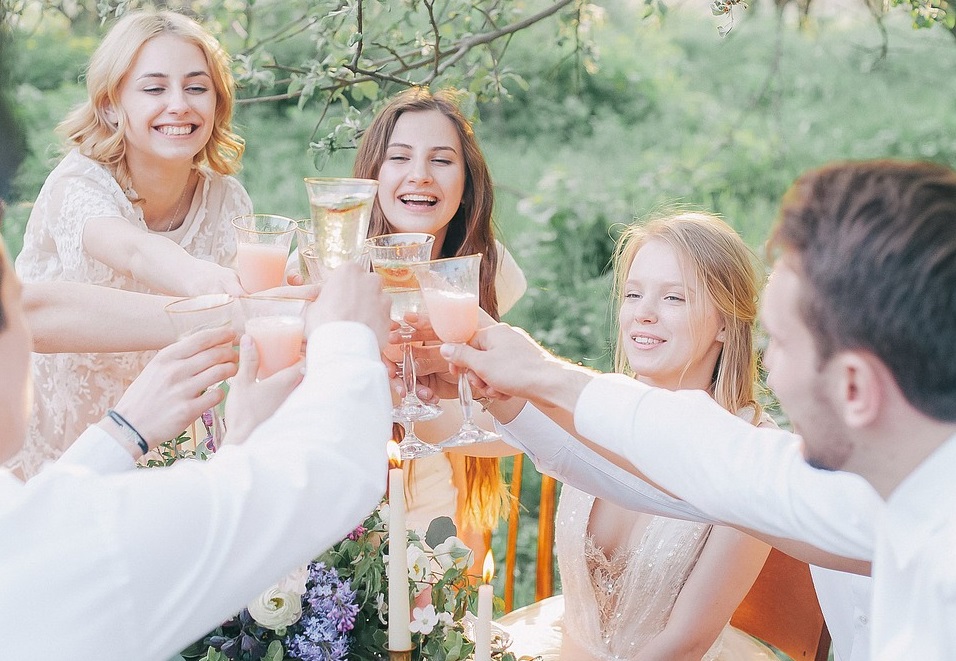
[(485, 597), (399, 618)]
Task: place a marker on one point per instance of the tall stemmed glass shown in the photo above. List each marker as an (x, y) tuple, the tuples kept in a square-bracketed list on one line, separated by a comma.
[(450, 291), (392, 256), (341, 209)]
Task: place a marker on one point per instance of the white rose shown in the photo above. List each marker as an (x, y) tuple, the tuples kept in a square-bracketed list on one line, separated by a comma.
[(275, 609), (295, 583), (453, 553)]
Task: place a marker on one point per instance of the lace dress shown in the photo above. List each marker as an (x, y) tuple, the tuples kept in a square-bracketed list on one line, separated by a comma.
[(74, 390), (613, 605)]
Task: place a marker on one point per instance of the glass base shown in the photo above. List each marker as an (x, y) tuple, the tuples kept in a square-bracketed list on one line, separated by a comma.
[(469, 436), (415, 411), (413, 447)]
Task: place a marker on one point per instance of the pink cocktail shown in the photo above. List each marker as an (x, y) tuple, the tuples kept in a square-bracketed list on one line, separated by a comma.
[(453, 314), (264, 241), (261, 265), (278, 341)]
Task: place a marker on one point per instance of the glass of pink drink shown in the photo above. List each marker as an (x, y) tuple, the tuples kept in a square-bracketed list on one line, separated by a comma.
[(264, 242), (277, 327), (191, 315), (450, 292)]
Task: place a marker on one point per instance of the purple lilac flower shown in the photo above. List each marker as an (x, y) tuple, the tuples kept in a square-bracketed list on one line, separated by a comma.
[(357, 533), (330, 611)]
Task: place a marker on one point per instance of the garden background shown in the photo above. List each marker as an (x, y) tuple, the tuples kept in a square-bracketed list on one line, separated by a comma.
[(638, 106)]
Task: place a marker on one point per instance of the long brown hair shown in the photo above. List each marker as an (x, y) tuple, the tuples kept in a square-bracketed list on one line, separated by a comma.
[(470, 231), (724, 267), (87, 126)]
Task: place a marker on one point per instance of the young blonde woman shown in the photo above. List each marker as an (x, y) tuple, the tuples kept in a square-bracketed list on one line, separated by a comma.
[(433, 178), (141, 202), (637, 586)]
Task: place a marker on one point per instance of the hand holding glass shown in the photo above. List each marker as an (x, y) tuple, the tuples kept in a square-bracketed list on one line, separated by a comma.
[(450, 291), (277, 327), (191, 315)]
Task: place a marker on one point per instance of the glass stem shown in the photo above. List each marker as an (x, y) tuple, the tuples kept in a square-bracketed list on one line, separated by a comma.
[(408, 372), (466, 401)]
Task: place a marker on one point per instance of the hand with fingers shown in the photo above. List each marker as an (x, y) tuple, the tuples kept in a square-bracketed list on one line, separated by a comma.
[(352, 294), (177, 385), (502, 361), (251, 402)]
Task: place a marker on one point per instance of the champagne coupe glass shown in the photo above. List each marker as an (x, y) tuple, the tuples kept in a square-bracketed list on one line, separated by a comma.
[(392, 256), (341, 209), (450, 291), (191, 315), (263, 247)]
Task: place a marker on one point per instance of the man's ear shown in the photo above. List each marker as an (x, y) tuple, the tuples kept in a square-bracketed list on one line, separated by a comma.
[(858, 388)]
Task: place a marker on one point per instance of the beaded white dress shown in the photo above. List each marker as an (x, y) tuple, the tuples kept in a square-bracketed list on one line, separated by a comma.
[(73, 390), (612, 606)]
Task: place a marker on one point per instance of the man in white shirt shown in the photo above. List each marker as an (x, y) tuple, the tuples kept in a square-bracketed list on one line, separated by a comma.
[(100, 561), (861, 314)]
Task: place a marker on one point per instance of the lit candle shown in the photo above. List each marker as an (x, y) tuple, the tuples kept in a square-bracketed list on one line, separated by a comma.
[(399, 635), (483, 625)]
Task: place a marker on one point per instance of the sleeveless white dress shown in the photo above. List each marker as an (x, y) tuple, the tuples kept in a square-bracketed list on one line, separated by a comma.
[(73, 390), (612, 606)]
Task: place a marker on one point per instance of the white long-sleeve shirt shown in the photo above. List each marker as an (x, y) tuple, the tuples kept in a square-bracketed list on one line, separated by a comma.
[(844, 598), (98, 561), (757, 478)]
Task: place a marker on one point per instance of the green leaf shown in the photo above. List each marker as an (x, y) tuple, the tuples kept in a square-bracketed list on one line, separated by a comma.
[(274, 652)]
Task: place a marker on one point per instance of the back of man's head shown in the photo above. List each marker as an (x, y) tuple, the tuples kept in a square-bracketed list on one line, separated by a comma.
[(875, 244)]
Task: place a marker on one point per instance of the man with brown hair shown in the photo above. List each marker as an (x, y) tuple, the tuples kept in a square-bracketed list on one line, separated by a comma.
[(861, 314)]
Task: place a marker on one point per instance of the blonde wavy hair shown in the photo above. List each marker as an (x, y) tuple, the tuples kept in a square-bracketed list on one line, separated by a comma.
[(715, 258), (87, 126)]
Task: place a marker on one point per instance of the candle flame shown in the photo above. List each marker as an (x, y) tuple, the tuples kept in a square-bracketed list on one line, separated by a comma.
[(488, 569), (394, 455)]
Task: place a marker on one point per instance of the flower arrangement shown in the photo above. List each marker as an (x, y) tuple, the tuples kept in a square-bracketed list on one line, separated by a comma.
[(335, 609)]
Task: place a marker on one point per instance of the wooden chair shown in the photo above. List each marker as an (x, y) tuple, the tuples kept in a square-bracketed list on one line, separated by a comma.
[(544, 573), (782, 609)]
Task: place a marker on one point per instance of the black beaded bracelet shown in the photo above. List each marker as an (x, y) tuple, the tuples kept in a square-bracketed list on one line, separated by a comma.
[(131, 434)]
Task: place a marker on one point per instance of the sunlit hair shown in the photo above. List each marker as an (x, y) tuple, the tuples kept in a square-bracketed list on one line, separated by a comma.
[(719, 264), (470, 231), (87, 126)]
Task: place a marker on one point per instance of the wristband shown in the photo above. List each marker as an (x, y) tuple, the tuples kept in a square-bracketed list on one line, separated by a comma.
[(129, 430)]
